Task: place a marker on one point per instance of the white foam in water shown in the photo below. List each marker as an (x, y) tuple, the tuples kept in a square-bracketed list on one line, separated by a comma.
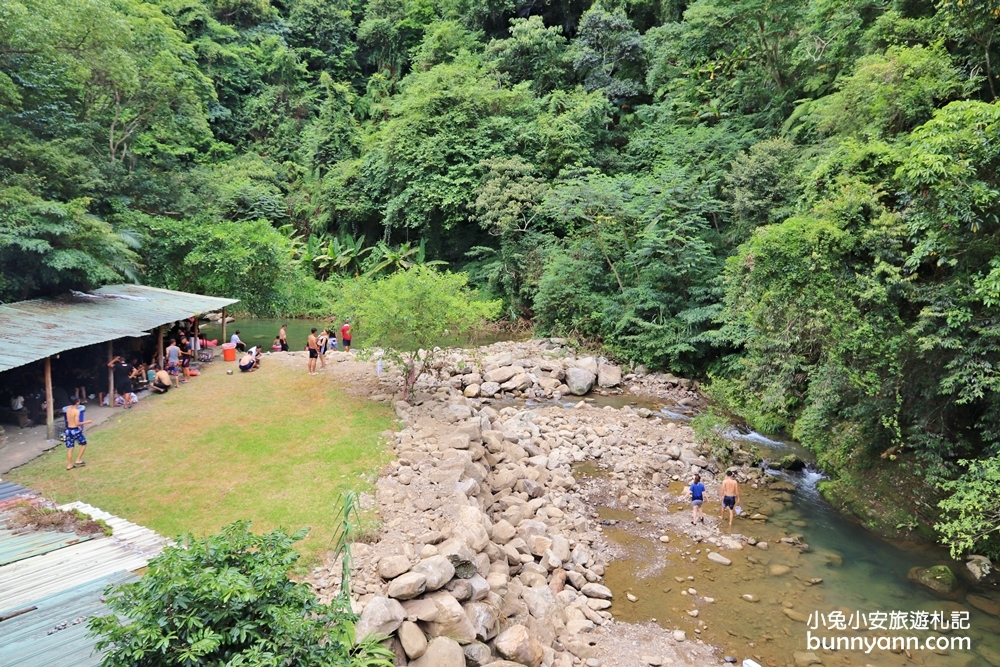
[(754, 436)]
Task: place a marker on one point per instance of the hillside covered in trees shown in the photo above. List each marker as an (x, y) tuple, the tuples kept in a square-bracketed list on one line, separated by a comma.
[(795, 199)]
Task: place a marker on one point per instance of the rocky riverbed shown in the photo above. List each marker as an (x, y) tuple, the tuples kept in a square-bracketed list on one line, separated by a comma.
[(491, 551), (520, 531)]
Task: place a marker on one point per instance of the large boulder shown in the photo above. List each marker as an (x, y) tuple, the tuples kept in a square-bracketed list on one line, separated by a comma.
[(519, 382), (484, 618), (441, 652), (500, 359), (413, 640), (489, 389), (437, 571), (587, 363), (979, 567), (579, 381), (450, 619), (461, 557), (391, 567), (938, 578), (407, 586), (609, 375), (381, 616), (500, 375), (516, 644), (989, 605)]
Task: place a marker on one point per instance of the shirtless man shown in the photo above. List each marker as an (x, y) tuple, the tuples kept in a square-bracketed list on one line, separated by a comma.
[(74, 435), (313, 347), (161, 381), (730, 496), (283, 337)]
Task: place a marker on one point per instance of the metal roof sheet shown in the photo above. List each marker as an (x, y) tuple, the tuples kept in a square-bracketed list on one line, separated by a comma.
[(9, 491), (55, 633), (33, 330), (129, 548), (15, 546)]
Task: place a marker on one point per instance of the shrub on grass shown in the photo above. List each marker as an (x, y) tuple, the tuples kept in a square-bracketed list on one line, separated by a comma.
[(227, 600)]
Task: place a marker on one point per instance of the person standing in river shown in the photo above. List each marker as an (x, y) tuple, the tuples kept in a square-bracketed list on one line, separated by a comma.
[(283, 338), (697, 491), (730, 496)]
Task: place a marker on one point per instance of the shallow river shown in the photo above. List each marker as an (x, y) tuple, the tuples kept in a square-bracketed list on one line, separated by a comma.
[(860, 573)]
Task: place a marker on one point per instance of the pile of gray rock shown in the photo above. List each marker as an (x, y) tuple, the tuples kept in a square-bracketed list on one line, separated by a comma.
[(545, 368), (489, 552)]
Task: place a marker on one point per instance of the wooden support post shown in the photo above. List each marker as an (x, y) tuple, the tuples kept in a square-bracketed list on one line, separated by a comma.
[(224, 339), (159, 345), (50, 413), (111, 375)]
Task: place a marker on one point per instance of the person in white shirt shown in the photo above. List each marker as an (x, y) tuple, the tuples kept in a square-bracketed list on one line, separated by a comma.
[(235, 340)]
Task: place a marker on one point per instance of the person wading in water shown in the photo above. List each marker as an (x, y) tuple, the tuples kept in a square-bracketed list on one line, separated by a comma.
[(730, 496)]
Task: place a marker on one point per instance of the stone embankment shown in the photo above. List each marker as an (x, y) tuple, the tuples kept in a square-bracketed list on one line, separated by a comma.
[(489, 552)]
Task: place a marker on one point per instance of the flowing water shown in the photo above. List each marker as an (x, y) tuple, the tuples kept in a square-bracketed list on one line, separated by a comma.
[(860, 573)]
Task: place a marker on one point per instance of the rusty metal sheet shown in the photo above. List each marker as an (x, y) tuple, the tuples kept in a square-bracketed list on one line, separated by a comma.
[(34, 330)]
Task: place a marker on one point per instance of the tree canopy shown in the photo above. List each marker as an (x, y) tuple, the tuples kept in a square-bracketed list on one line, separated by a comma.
[(793, 199)]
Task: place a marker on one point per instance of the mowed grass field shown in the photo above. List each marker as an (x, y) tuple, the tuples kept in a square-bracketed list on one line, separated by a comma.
[(276, 446)]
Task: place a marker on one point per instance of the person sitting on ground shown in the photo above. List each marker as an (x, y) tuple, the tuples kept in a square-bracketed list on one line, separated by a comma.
[(161, 380), (235, 340), (138, 376)]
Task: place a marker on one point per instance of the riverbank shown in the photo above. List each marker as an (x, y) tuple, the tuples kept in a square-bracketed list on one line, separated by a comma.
[(555, 526)]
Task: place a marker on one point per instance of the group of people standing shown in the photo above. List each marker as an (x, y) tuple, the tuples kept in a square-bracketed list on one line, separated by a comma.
[(320, 342)]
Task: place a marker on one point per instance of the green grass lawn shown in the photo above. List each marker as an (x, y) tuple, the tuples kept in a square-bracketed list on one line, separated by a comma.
[(276, 446)]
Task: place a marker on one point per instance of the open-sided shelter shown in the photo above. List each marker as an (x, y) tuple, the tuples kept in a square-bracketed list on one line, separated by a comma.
[(41, 328)]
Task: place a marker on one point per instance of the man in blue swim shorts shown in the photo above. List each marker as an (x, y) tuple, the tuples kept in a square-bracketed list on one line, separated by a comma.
[(74, 435)]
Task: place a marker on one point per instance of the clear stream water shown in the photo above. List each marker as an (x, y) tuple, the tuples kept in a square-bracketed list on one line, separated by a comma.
[(860, 573)]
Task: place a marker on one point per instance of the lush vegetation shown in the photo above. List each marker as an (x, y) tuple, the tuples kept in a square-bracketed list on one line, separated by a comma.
[(226, 600), (407, 315), (794, 198)]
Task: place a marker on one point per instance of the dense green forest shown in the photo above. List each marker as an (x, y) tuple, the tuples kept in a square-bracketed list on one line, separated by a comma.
[(795, 199)]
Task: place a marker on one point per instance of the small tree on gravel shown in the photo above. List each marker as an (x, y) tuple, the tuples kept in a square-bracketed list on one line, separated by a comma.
[(411, 313), (226, 600)]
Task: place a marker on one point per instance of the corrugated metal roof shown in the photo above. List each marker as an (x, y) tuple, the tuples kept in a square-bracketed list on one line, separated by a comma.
[(129, 548), (65, 587), (56, 632), (10, 492), (33, 330), (15, 546)]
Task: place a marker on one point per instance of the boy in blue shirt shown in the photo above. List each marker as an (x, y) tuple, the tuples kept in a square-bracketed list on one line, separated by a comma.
[(697, 491)]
